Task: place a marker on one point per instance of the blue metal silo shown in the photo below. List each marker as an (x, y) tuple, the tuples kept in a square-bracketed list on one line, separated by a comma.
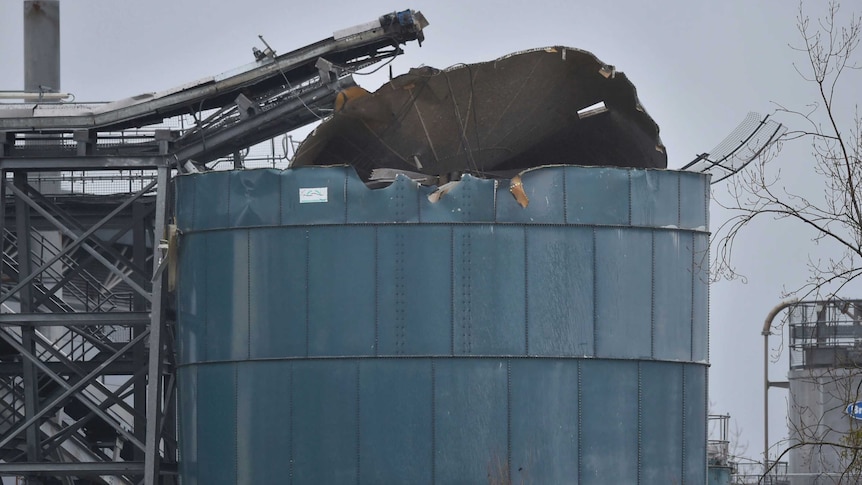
[(329, 333)]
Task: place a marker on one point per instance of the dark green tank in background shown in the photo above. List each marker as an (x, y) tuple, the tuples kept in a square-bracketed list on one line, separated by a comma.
[(329, 333)]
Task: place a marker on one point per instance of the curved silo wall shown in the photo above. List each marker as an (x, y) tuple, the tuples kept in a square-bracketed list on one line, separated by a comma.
[(352, 335)]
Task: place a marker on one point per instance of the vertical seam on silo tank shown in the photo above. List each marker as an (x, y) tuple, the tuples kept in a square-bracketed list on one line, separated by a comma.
[(290, 422), (376, 291), (640, 421), (565, 197), (509, 420), (683, 423), (205, 349), (451, 290), (280, 199), (595, 297), (249, 293), (344, 192), (494, 199), (418, 193), (705, 260), (194, 221), (706, 194), (358, 423), (706, 404), (678, 200), (652, 296), (693, 302), (236, 421), (466, 286), (526, 293), (629, 173), (580, 421), (400, 320), (307, 289), (433, 422), (228, 199)]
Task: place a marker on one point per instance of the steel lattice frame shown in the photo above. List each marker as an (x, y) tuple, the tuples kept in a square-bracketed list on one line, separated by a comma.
[(51, 379)]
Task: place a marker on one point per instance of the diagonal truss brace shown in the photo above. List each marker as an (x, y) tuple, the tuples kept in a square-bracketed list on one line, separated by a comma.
[(77, 241), (71, 389)]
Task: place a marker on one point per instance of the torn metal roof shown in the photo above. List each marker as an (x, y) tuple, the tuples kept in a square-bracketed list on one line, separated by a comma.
[(556, 105)]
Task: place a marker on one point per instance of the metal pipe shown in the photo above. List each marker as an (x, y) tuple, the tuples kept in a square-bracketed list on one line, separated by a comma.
[(767, 326), (34, 96)]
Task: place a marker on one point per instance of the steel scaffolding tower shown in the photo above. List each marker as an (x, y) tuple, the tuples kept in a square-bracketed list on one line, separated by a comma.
[(87, 382)]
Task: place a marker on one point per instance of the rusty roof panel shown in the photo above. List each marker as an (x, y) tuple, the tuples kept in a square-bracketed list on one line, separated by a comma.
[(556, 105)]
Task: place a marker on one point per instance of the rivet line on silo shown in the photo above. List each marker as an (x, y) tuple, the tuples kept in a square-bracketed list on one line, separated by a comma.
[(376, 291), (652, 297), (194, 223), (205, 349), (509, 420), (399, 202), (433, 422), (705, 202), (358, 425), (400, 317), (290, 421), (683, 424), (452, 290), (706, 261), (595, 297), (629, 174), (248, 290), (467, 279), (280, 200), (565, 200), (580, 421), (640, 420), (236, 422), (706, 402), (469, 288), (466, 282), (307, 290), (346, 202), (678, 200), (693, 303), (526, 294), (228, 197)]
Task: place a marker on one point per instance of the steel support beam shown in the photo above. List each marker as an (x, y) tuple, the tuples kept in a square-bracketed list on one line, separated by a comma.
[(73, 469), (118, 368), (76, 241), (76, 163), (74, 319), (152, 460), (28, 339), (139, 355)]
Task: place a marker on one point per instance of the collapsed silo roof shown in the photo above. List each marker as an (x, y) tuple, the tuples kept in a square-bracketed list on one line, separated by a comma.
[(556, 105)]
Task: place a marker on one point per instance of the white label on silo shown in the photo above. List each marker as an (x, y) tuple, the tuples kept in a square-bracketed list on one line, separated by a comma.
[(313, 194)]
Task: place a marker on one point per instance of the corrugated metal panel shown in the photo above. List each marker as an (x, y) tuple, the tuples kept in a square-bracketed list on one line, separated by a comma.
[(457, 341)]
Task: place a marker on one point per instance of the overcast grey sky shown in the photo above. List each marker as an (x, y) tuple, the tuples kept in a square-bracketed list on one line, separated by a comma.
[(699, 67)]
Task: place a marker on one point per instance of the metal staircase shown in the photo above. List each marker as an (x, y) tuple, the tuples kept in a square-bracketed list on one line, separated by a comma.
[(69, 433)]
